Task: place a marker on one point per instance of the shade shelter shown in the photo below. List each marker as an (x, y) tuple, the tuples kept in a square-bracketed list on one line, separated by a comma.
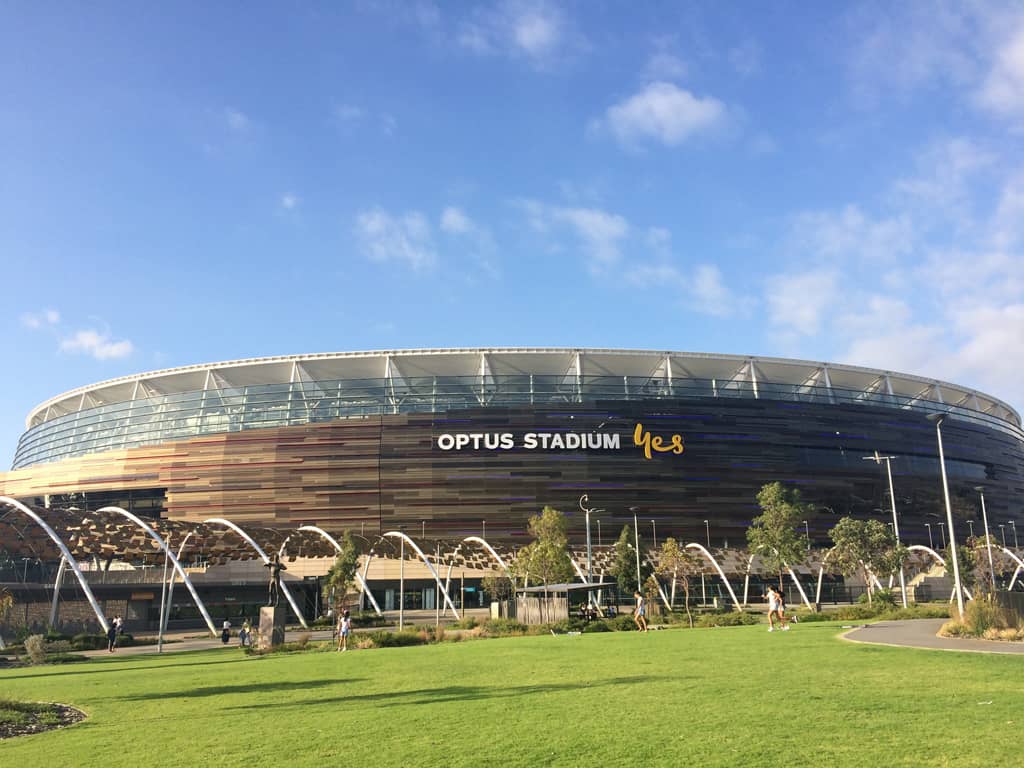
[(542, 605)]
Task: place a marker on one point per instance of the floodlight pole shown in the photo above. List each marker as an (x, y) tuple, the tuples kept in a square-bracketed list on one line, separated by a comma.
[(1013, 524), (878, 459), (636, 548), (988, 541), (163, 597), (938, 418), (401, 587)]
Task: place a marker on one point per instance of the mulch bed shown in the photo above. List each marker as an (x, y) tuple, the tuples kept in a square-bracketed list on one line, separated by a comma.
[(66, 715)]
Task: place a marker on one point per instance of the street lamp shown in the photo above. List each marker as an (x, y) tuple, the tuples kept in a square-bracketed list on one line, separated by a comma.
[(484, 536), (423, 529), (929, 527), (937, 419), (970, 524), (988, 540), (654, 533), (942, 532), (590, 554), (1002, 535), (878, 459), (707, 531), (599, 531), (1013, 525), (636, 548)]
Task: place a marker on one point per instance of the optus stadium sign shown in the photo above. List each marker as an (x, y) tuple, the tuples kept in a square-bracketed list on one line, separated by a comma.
[(560, 441)]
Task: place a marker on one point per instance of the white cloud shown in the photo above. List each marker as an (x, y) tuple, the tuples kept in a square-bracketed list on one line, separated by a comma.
[(1002, 90), (663, 65), (405, 239), (746, 58), (702, 290), (96, 344), (454, 221), (601, 232), (289, 201), (534, 29), (830, 236), (797, 302), (348, 113), (237, 120), (36, 320), (664, 113)]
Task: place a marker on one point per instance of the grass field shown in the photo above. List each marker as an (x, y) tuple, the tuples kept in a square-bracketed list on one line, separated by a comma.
[(735, 696)]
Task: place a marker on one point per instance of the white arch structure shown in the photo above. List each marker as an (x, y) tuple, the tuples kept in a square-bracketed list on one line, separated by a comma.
[(170, 587), (248, 540), (426, 561), (337, 548), (170, 555), (495, 555), (1020, 563), (942, 562), (800, 589), (64, 551), (821, 573), (700, 548)]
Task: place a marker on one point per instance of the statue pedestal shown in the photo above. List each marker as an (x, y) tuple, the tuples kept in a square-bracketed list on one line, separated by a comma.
[(271, 625)]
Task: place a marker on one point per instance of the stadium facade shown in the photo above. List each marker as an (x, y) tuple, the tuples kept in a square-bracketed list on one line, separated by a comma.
[(449, 443)]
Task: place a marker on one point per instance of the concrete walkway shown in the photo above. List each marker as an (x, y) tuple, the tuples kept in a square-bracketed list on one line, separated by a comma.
[(921, 633)]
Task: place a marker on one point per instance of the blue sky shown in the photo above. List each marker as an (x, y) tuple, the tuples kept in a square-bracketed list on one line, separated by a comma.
[(205, 182)]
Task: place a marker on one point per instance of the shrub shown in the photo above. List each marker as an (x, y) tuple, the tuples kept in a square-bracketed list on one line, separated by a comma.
[(622, 623), (881, 597), (732, 619), (503, 627), (35, 647), (384, 639), (982, 615), (952, 629), (466, 622), (88, 642), (65, 658), (597, 626)]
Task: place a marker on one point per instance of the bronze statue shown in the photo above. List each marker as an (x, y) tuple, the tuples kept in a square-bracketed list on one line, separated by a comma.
[(274, 589)]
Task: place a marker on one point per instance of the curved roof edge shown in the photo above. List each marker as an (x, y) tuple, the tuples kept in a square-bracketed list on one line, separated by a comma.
[(500, 360)]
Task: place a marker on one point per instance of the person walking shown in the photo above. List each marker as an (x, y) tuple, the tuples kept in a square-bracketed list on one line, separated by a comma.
[(640, 612), (344, 630), (111, 635), (774, 599)]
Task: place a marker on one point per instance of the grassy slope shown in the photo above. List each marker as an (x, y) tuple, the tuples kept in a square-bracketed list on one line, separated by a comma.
[(735, 696)]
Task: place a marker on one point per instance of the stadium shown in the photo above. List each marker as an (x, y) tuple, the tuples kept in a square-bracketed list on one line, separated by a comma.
[(445, 444)]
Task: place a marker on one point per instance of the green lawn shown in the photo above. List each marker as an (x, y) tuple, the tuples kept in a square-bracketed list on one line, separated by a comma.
[(707, 697)]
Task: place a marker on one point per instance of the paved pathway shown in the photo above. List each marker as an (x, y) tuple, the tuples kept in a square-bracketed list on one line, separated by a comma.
[(921, 633)]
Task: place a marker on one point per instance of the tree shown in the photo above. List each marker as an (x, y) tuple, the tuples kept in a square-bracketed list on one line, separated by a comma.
[(6, 603), (547, 556), (340, 578), (499, 587), (773, 534), (675, 562), (867, 546), (623, 566)]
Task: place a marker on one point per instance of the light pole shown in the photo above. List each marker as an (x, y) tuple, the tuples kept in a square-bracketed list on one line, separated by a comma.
[(654, 533), (484, 535), (1013, 525), (937, 419), (423, 529), (878, 459), (988, 541), (636, 547), (942, 532), (599, 532), (929, 527), (970, 524), (401, 587), (1002, 535), (590, 554), (707, 532)]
